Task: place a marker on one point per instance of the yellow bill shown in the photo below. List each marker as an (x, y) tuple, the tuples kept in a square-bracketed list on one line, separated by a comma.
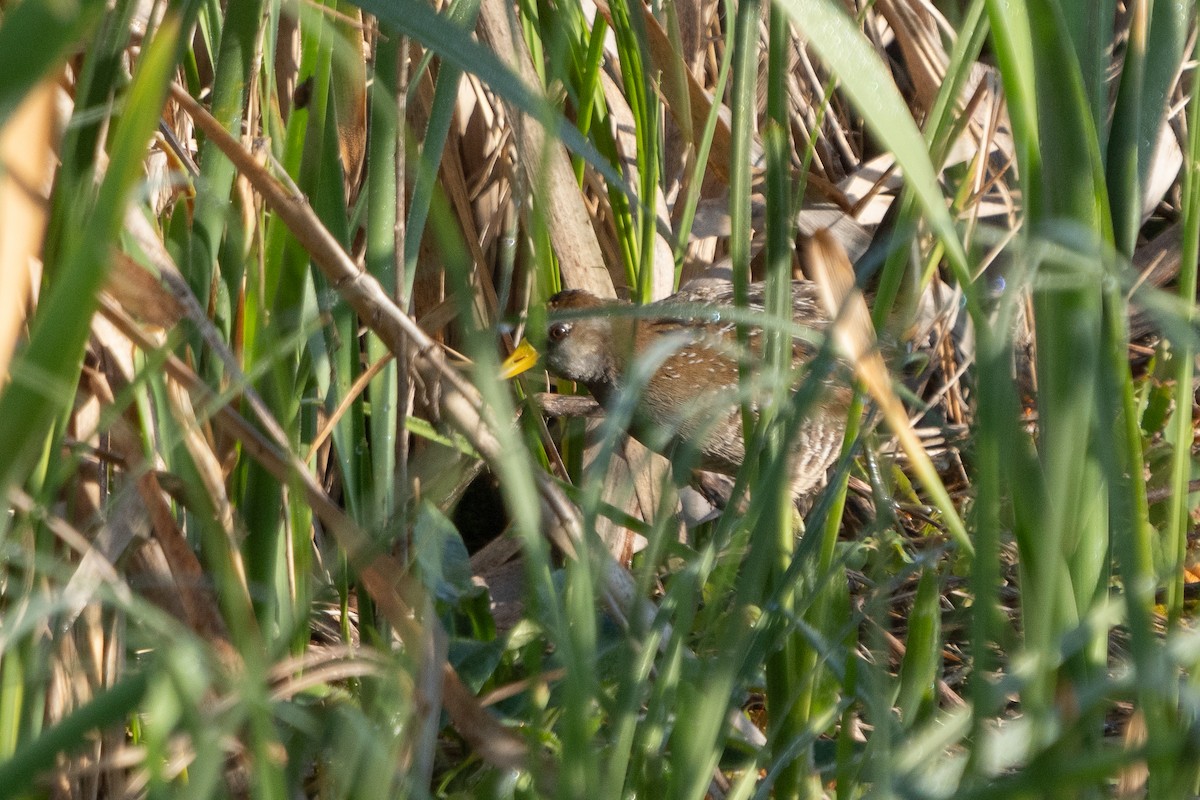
[(522, 360)]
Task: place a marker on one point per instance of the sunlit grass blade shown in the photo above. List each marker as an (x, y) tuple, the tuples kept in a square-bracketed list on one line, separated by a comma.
[(34, 38), (20, 773), (44, 376), (864, 78)]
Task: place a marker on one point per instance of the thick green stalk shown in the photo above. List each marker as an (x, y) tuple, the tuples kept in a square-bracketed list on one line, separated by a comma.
[(384, 194), (1180, 430), (1182, 356), (629, 28), (790, 668), (238, 42)]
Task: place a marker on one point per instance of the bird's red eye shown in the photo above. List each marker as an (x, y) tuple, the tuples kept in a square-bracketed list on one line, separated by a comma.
[(558, 331)]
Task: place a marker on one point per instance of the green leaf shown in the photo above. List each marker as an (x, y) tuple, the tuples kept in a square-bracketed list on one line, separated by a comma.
[(35, 38), (923, 656), (1158, 408), (440, 555)]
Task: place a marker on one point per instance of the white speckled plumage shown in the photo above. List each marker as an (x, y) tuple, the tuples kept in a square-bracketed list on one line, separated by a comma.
[(694, 391)]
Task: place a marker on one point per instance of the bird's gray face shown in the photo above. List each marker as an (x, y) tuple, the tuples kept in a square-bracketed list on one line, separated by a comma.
[(581, 350)]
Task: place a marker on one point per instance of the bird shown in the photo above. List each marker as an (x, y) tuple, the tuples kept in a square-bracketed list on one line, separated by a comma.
[(693, 394)]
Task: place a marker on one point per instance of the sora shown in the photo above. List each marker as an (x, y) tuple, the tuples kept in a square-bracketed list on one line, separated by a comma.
[(693, 393)]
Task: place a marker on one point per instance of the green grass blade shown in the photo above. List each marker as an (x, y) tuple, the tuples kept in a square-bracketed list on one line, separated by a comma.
[(35, 37), (433, 143), (44, 377), (455, 47), (869, 85), (238, 44), (1181, 424), (19, 773)]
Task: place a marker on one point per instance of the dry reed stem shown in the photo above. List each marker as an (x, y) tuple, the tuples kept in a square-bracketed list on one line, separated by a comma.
[(855, 336), (547, 169), (26, 166)]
